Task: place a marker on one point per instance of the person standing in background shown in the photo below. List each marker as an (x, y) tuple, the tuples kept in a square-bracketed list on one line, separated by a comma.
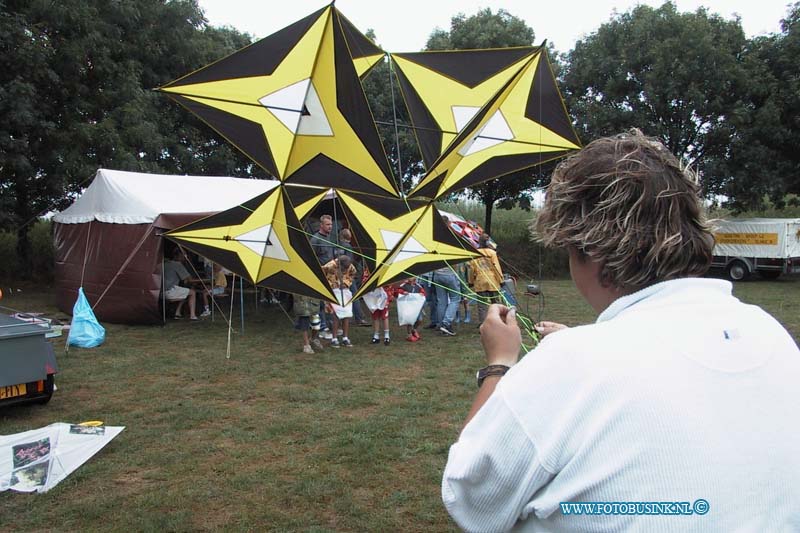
[(485, 276), (346, 248), (324, 246)]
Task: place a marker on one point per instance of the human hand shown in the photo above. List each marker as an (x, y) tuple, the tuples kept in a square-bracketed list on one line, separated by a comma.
[(545, 328), (500, 335)]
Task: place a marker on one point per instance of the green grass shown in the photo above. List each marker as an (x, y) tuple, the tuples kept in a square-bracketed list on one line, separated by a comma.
[(270, 439)]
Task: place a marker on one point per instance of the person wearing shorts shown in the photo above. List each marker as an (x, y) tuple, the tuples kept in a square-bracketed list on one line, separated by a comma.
[(381, 317)]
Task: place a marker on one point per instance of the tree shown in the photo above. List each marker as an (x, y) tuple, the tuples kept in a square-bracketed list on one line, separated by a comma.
[(763, 162), (676, 76), (75, 80), (486, 29)]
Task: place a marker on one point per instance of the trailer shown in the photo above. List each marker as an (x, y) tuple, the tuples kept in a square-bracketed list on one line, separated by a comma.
[(768, 246)]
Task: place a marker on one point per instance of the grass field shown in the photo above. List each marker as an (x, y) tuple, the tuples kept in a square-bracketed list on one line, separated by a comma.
[(271, 439)]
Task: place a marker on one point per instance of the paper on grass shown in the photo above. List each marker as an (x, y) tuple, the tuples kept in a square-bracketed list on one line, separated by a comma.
[(37, 460)]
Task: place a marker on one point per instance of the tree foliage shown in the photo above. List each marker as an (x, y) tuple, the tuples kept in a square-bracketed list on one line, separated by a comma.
[(676, 76), (763, 164), (75, 95)]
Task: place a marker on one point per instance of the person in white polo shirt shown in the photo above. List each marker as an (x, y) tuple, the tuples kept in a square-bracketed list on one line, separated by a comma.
[(680, 400)]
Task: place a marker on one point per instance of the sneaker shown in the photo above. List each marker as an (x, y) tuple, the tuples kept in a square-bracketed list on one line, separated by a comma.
[(206, 312), (411, 338), (307, 349), (364, 324), (346, 343), (416, 334), (375, 340), (386, 341), (317, 345), (326, 335), (447, 331), (335, 343)]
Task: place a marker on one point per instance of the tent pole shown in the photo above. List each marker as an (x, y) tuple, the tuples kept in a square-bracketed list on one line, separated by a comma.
[(163, 294), (241, 301)]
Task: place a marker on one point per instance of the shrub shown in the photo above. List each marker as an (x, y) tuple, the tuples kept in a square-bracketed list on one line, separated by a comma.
[(42, 251), (9, 265), (40, 237)]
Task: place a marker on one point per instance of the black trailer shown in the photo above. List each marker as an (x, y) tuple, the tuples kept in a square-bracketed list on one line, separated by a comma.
[(27, 361)]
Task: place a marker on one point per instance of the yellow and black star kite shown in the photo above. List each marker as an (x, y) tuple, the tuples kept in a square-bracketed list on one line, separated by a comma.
[(294, 104), (500, 112)]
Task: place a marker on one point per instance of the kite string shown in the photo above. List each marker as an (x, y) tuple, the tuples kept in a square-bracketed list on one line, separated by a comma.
[(524, 318)]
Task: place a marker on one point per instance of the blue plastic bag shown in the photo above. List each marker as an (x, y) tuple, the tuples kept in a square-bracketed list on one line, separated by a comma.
[(85, 330)]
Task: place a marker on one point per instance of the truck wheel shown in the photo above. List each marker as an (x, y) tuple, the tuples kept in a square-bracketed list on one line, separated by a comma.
[(769, 274), (737, 271)]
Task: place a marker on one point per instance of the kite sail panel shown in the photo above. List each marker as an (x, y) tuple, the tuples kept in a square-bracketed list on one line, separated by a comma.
[(293, 103), (443, 90), (364, 52), (514, 130), (409, 238), (261, 240)]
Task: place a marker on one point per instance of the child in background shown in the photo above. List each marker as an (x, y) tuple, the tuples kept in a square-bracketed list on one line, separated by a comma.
[(412, 286), (220, 280), (340, 273), (381, 317), (306, 310)]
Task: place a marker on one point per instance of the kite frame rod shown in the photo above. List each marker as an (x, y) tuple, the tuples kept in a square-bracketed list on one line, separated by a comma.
[(227, 101), (384, 123)]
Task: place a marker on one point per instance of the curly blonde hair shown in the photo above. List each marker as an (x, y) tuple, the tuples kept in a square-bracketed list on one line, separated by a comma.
[(628, 203)]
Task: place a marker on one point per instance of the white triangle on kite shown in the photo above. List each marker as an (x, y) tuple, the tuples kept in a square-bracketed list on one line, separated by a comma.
[(495, 131), (410, 249), (315, 122), (287, 103), (462, 114), (390, 238), (264, 242)]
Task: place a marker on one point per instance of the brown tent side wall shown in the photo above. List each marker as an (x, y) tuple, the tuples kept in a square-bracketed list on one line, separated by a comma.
[(134, 298)]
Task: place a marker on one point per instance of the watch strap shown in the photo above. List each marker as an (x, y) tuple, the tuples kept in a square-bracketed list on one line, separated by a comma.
[(491, 370)]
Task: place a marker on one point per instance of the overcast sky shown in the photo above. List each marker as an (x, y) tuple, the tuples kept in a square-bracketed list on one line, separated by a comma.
[(404, 25)]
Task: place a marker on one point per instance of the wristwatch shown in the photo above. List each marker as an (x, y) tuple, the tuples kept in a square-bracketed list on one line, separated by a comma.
[(491, 370)]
